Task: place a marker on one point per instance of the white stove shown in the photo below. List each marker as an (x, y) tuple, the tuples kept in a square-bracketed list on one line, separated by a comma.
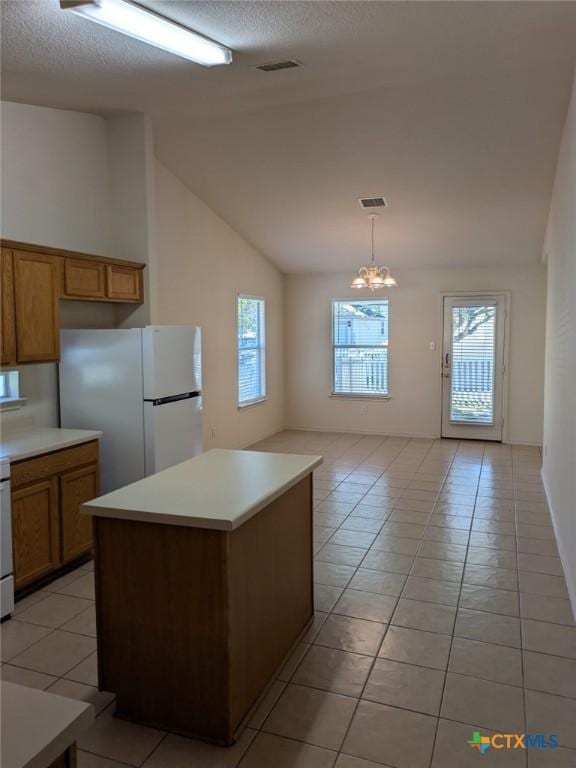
[(6, 568)]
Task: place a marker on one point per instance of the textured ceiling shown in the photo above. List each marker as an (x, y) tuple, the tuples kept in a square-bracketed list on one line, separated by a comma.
[(453, 110)]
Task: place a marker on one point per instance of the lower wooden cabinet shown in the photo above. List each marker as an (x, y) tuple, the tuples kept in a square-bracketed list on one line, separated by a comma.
[(76, 488), (35, 531), (48, 529)]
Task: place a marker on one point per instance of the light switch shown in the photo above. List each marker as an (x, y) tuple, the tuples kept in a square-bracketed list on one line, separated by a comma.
[(432, 346)]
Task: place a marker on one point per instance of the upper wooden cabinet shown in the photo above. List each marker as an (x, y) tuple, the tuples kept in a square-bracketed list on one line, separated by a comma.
[(36, 307), (7, 318), (34, 278), (84, 279)]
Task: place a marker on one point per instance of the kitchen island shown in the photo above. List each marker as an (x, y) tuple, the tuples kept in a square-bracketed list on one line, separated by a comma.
[(203, 585)]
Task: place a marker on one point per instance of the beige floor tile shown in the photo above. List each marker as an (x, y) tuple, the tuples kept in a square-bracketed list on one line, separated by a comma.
[(314, 627), (489, 599), (490, 705), (325, 597), (56, 653), (380, 582), (397, 545), (120, 740), (406, 686), (391, 736), (540, 564), (268, 751), (488, 627), (365, 605), (88, 693), (416, 647), (352, 538), (487, 576), (348, 634), (442, 570), (26, 677), (24, 603), (537, 547), (361, 524), (554, 639), (494, 558), (486, 661), (86, 671), (312, 716), (333, 670), (540, 608), (63, 581), (543, 584), (292, 662), (82, 587), (347, 761), (439, 551), (178, 752), (430, 617), (55, 610), (332, 575), (16, 636), (546, 713), (83, 624), (333, 553), (431, 590), (265, 705), (453, 751), (550, 674), (390, 562), (89, 760)]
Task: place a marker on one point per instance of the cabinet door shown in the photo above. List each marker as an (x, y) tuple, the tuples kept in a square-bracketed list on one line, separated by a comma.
[(124, 283), (84, 279), (35, 531), (7, 320), (36, 301), (75, 488)]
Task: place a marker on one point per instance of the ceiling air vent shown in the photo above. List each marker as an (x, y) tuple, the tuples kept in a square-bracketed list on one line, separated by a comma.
[(276, 65), (369, 203)]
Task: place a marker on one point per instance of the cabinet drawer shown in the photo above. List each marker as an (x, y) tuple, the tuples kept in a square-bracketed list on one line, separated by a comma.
[(124, 284), (40, 467), (84, 279)]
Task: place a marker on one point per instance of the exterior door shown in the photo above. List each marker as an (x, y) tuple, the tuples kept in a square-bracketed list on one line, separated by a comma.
[(473, 367)]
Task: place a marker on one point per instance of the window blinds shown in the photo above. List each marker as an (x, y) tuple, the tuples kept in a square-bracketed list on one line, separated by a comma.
[(472, 363), (360, 347), (251, 350)]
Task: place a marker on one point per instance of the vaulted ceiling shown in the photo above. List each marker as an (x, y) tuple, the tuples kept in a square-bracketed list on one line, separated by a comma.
[(452, 110)]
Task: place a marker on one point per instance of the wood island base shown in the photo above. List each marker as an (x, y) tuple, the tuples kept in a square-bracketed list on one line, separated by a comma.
[(193, 622)]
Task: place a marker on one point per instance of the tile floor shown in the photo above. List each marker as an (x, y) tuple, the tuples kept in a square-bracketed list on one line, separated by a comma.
[(440, 608)]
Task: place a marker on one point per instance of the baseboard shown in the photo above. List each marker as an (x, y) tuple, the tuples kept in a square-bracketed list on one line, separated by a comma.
[(560, 543), (526, 443), (364, 432)]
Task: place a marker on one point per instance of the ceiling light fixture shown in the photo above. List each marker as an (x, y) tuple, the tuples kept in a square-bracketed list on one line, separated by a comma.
[(135, 21), (373, 276)]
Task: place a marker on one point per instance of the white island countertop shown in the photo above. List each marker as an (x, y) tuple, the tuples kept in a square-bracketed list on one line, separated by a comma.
[(219, 489), (37, 726), (34, 442)]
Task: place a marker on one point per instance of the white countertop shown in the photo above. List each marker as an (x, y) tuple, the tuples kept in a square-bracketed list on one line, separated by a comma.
[(33, 442), (37, 727), (220, 489)]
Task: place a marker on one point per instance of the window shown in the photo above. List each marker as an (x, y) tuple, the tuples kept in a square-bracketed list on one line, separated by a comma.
[(251, 350), (360, 347), (10, 389)]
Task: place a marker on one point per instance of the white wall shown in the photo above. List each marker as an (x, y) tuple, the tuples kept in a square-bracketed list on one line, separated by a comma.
[(202, 265), (55, 182), (559, 469), (414, 407)]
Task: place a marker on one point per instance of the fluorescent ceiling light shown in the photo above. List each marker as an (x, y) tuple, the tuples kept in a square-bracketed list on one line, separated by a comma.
[(135, 21)]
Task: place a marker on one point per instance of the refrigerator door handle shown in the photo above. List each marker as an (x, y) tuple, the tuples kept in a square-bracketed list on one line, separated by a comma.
[(173, 398)]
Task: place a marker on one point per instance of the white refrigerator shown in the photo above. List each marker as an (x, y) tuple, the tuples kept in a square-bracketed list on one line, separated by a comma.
[(142, 387)]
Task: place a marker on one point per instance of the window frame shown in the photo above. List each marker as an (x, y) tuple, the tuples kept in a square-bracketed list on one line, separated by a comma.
[(12, 400), (358, 395), (262, 353)]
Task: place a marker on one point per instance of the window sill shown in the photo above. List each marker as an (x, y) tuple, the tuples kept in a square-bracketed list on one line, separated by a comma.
[(338, 396), (252, 403), (12, 404)]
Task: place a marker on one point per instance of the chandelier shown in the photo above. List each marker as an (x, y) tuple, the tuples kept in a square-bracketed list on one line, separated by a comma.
[(373, 276)]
